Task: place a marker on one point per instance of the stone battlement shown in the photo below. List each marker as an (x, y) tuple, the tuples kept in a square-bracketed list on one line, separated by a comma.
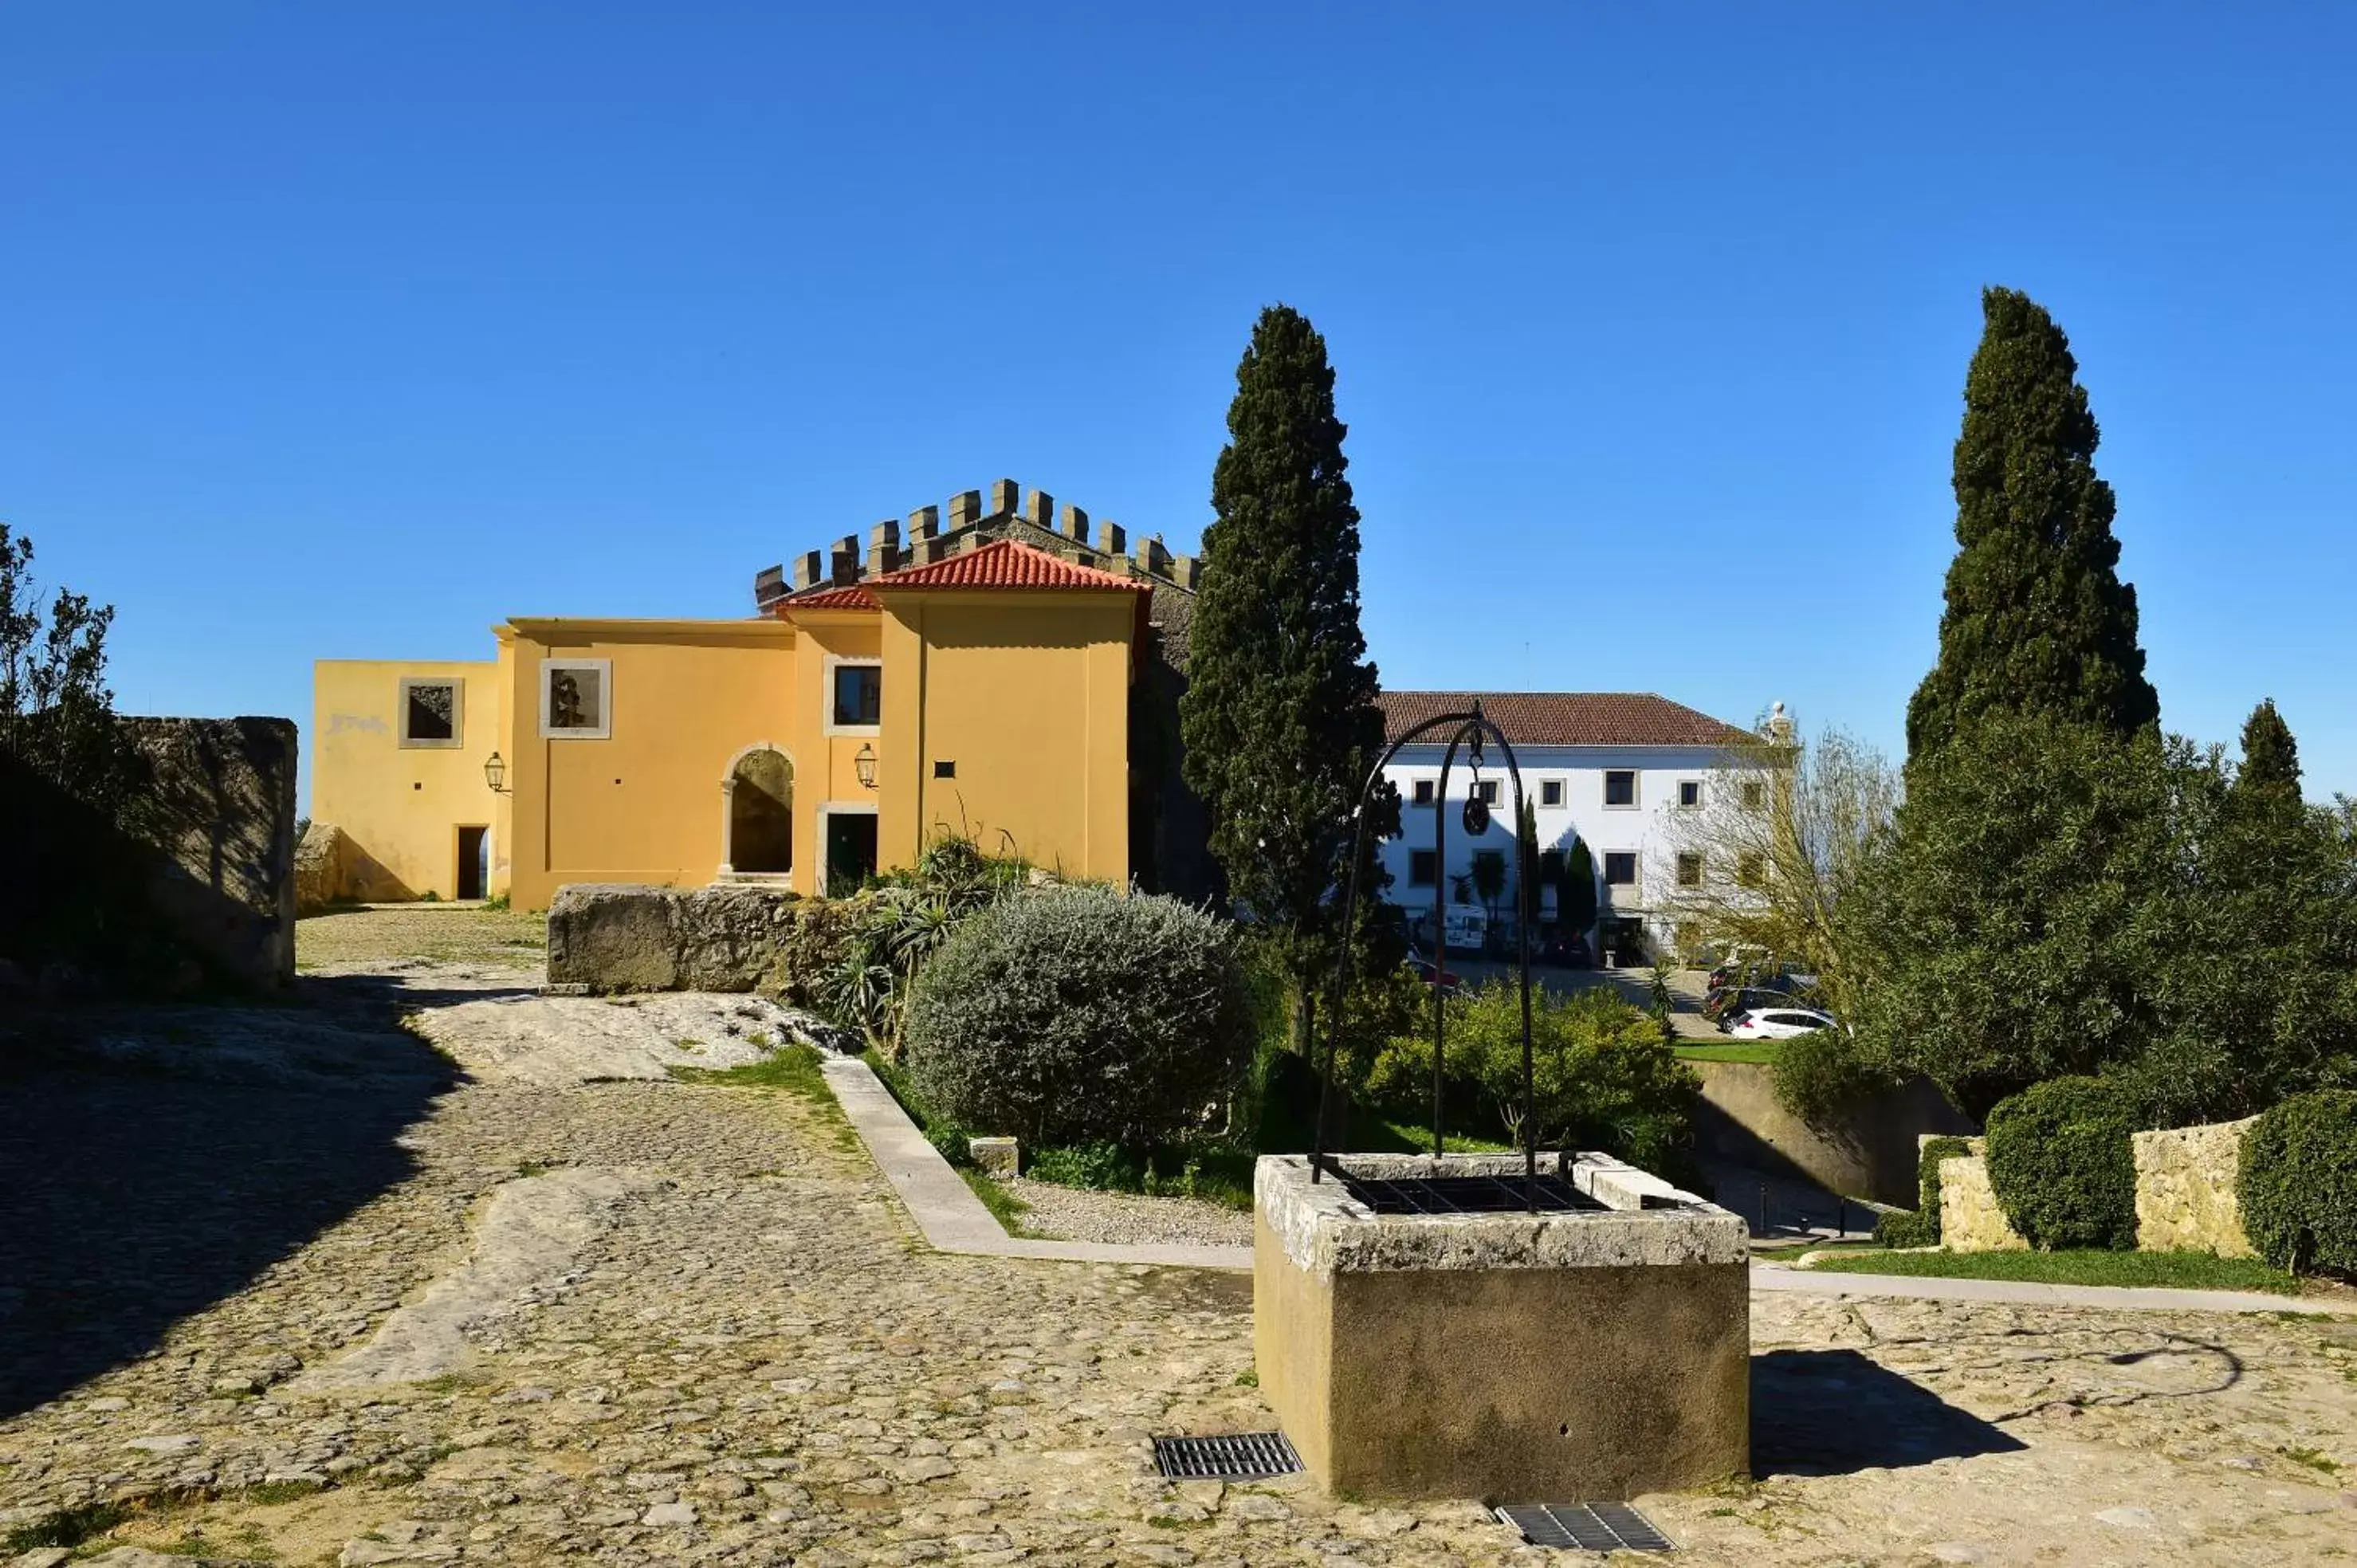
[(1034, 518)]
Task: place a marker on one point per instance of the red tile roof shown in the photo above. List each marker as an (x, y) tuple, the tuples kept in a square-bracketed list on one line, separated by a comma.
[(1565, 718), (1007, 564), (853, 597)]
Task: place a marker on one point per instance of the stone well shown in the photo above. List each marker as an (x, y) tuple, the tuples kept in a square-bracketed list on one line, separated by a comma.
[(1591, 1353)]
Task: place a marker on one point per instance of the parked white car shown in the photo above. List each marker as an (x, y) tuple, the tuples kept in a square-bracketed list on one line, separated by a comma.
[(1779, 1023)]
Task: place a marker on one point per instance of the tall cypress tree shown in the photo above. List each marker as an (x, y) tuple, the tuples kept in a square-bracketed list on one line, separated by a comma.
[(2270, 777), (1279, 718), (2038, 620)]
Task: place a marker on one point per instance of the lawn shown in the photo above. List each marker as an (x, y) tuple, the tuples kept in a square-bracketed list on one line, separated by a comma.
[(2171, 1270), (1761, 1051)]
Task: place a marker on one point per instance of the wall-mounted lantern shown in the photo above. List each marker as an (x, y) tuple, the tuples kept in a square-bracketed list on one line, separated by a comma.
[(865, 766), (495, 774)]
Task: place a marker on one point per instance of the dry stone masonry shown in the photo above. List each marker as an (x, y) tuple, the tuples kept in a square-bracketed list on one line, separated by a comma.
[(2185, 1196)]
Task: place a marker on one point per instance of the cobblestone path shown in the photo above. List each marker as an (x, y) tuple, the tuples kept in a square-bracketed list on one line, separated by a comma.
[(735, 1351)]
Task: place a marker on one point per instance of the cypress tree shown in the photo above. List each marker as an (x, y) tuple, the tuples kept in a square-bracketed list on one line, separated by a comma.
[(1279, 719), (1575, 900), (2037, 620), (2269, 776)]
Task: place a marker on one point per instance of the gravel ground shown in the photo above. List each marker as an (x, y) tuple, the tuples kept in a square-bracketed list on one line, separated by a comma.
[(1076, 1214), (370, 934)]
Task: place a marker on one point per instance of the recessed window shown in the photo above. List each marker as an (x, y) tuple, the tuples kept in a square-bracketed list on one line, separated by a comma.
[(1423, 867), (1551, 793), (857, 702), (944, 768), (1620, 868), (1550, 867), (1751, 869), (1486, 791), (1689, 868), (1755, 795), (1424, 792), (433, 714), (1619, 786), (576, 699), (1689, 792)]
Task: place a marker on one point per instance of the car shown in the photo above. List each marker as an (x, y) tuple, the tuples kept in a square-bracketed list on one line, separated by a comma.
[(1779, 1023), (1571, 952), (1450, 981), (1722, 1005)]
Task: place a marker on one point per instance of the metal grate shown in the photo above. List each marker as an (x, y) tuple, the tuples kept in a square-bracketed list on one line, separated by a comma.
[(1464, 1195), (1585, 1526), (1234, 1456)]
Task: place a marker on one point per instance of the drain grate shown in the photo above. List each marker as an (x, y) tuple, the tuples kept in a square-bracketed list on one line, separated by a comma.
[(1585, 1526), (1466, 1195), (1234, 1456)]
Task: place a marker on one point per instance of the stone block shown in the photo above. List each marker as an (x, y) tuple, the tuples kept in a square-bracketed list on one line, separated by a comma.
[(614, 937), (2185, 1193), (999, 1156), (1971, 1219), (1594, 1354), (610, 937)]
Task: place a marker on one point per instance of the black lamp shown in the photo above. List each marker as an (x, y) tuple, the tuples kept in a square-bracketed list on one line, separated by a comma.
[(495, 774), (865, 766)]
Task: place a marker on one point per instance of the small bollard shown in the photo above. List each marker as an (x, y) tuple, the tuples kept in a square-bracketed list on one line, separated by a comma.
[(999, 1156)]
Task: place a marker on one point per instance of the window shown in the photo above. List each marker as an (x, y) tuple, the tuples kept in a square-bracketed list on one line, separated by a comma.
[(1424, 792), (432, 714), (1689, 792), (1620, 868), (1486, 791), (1551, 793), (1755, 795), (1620, 787), (1550, 867), (856, 702), (1423, 868), (1489, 863), (1689, 868), (576, 699), (1751, 869)]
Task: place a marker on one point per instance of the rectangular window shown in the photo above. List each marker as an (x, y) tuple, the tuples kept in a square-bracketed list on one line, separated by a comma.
[(1489, 863), (1620, 787), (1689, 869), (1755, 795), (1424, 792), (1620, 868), (1550, 867), (576, 699), (858, 696), (1551, 793), (1486, 791), (1423, 868), (1751, 869), (1689, 792), (432, 714)]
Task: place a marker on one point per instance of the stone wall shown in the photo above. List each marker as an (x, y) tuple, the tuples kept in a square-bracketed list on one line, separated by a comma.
[(1868, 1151), (2185, 1196), (609, 937), (1971, 1219)]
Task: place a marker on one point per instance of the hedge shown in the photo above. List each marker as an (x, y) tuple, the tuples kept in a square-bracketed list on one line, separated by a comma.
[(2298, 1182), (1080, 1015), (2062, 1165), (1921, 1228)]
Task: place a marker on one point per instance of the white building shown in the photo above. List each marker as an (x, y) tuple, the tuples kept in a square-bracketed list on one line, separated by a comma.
[(1609, 767)]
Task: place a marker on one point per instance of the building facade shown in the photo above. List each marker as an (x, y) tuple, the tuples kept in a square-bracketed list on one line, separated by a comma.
[(1613, 769), (970, 682)]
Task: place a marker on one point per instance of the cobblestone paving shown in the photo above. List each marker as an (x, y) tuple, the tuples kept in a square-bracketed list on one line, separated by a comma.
[(748, 1357)]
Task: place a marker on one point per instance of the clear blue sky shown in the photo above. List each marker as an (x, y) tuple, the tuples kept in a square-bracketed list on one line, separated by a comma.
[(346, 330)]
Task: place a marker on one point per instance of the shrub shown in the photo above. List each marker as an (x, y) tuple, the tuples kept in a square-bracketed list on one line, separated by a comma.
[(2062, 1165), (1820, 1074), (1936, 1152), (1903, 1227), (2298, 1182), (1078, 1014)]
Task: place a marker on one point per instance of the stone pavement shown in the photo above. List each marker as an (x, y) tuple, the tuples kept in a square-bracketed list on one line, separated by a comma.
[(649, 1322)]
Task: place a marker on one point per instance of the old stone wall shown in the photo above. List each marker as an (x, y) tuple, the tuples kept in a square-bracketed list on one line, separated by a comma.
[(1971, 1219), (2185, 1191), (224, 822), (1868, 1151), (625, 936)]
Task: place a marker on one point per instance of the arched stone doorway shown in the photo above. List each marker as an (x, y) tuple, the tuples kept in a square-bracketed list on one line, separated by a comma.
[(760, 790)]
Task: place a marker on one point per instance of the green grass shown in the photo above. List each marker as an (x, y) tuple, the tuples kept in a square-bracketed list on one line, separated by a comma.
[(1760, 1052), (1386, 1136), (2171, 1270), (793, 1069), (1795, 1253), (1004, 1205)]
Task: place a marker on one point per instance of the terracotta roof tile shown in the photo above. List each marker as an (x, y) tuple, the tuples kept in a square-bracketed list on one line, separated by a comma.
[(1566, 718), (853, 597), (1007, 564)]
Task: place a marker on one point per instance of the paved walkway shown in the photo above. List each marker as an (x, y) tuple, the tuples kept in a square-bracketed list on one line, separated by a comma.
[(693, 1324)]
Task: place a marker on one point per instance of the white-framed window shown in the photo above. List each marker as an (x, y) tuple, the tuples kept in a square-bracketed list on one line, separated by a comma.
[(1620, 868), (1486, 791), (1689, 868), (1423, 867), (854, 695), (1689, 793), (432, 714), (576, 699), (1423, 795), (1550, 791), (1620, 787), (1755, 795)]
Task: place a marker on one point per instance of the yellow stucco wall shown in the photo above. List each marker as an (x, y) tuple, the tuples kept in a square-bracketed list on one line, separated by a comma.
[(1028, 694), (401, 807), (645, 804)]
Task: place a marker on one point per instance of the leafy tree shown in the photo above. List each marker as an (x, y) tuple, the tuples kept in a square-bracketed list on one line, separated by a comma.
[(56, 714), (1576, 900), (1279, 718), (1490, 881), (2036, 619), (2268, 780)]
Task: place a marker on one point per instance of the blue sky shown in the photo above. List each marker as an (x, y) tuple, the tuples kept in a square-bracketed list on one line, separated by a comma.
[(348, 330)]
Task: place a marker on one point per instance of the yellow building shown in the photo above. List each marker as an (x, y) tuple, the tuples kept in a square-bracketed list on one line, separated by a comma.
[(985, 687)]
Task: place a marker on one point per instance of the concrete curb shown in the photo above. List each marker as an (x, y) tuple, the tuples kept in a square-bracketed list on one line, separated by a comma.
[(953, 1220), (947, 1209), (1916, 1287)]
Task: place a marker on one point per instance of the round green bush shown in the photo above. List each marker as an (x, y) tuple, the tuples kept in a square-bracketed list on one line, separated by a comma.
[(2298, 1182), (1079, 1014), (2062, 1163)]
